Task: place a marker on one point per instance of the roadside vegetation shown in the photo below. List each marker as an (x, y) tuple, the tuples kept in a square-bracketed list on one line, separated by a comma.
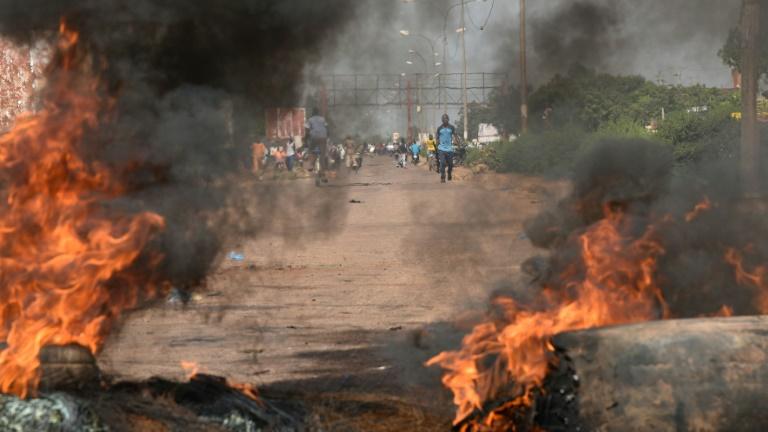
[(573, 112)]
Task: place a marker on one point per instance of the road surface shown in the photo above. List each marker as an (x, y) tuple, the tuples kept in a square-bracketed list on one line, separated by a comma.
[(350, 299)]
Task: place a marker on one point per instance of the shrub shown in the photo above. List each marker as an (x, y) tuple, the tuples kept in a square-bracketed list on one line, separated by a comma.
[(552, 152)]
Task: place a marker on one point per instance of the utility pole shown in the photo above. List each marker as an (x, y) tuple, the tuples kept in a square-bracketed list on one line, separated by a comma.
[(420, 107), (750, 134), (409, 99), (445, 72), (464, 76), (523, 73)]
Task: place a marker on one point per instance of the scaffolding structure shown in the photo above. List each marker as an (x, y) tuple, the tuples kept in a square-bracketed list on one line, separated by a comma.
[(425, 90)]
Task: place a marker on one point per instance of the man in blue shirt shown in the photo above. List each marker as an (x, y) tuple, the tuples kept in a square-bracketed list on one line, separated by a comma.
[(317, 132), (415, 151), (446, 133)]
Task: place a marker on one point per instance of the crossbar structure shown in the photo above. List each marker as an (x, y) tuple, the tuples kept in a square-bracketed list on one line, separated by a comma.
[(426, 90)]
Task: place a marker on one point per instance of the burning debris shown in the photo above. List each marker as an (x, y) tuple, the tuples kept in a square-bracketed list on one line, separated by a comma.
[(70, 264), (119, 188), (630, 244), (204, 403)]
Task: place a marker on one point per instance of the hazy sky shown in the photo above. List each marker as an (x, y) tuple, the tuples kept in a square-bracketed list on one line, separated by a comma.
[(673, 40)]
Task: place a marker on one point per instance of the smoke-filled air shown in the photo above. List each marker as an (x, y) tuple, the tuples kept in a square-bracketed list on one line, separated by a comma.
[(383, 215)]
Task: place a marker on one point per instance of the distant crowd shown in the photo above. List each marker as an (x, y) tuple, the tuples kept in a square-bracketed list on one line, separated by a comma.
[(320, 155)]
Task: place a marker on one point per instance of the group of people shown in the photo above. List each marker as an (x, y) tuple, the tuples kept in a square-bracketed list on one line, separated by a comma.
[(318, 151), (440, 148), (280, 155), (403, 151)]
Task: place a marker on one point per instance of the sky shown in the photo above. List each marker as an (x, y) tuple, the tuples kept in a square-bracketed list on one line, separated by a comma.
[(673, 40), (670, 41)]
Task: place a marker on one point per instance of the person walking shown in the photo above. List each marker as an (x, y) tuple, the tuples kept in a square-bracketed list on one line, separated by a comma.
[(446, 134), (402, 152), (432, 153), (317, 131), (349, 151), (290, 153), (258, 150), (415, 152)]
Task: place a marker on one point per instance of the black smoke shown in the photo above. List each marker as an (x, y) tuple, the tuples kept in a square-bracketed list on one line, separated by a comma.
[(583, 31), (190, 81), (673, 41), (658, 200)]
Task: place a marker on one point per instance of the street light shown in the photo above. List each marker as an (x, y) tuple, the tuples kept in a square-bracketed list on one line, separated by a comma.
[(462, 31), (422, 125), (407, 33)]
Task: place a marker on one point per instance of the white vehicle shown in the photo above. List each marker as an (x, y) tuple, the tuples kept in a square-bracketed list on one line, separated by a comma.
[(487, 133)]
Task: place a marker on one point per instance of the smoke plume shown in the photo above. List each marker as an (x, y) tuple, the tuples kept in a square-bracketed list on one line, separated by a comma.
[(697, 216), (188, 82), (581, 32), (673, 41)]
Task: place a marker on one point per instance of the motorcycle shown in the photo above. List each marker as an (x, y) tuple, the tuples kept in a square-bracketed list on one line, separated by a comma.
[(459, 154), (357, 162), (432, 161)]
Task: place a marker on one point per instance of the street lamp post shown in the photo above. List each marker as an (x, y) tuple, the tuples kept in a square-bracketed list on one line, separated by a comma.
[(435, 54), (464, 77), (523, 73), (462, 30), (420, 105)]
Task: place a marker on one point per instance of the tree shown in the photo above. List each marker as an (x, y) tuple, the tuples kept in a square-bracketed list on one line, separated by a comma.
[(502, 110), (587, 99), (731, 51)]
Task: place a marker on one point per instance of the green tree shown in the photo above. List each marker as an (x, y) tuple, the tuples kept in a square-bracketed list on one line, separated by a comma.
[(502, 110), (730, 53), (586, 99)]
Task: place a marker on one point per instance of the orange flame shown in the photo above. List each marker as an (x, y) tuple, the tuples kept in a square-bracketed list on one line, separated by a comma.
[(246, 389), (192, 369), (614, 284), (700, 208), (63, 259), (756, 278), (724, 312)]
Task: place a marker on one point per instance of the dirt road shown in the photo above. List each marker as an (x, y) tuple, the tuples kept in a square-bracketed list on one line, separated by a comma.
[(410, 252)]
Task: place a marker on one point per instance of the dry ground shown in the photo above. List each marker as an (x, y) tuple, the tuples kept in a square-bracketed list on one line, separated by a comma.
[(350, 314)]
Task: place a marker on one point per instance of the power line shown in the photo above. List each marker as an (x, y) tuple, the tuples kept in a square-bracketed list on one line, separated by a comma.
[(487, 18)]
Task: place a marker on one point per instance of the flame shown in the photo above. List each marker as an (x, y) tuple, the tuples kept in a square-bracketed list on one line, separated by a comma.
[(246, 389), (64, 259), (724, 312), (192, 369), (612, 284), (700, 208), (757, 278)]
